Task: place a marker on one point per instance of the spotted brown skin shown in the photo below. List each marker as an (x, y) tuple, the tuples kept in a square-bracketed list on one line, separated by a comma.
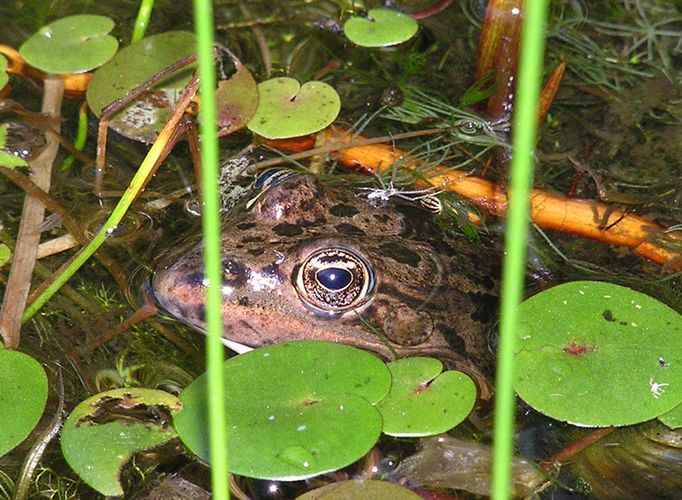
[(430, 291)]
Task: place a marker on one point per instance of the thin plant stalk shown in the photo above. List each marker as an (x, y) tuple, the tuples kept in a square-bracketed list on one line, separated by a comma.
[(523, 146), (121, 208), (203, 19), (142, 20)]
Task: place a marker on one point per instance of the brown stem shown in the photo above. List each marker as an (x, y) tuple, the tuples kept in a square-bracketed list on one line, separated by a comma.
[(556, 460), (71, 224), (28, 237)]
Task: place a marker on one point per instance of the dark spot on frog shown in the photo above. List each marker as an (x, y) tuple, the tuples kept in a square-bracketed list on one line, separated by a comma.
[(255, 252), (252, 239), (286, 229), (349, 229), (245, 226), (243, 301), (342, 210), (195, 278), (487, 306), (400, 253), (608, 315)]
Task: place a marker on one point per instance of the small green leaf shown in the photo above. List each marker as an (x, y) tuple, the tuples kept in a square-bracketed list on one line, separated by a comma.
[(4, 77), (74, 44), (423, 401), (7, 159), (23, 393), (381, 28), (104, 431), (289, 109), (5, 256), (236, 100), (598, 354), (308, 411), (360, 488)]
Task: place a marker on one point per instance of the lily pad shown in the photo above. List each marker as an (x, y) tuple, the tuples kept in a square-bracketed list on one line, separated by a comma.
[(307, 411), (73, 44), (672, 419), (423, 401), (381, 28), (288, 109), (104, 431), (23, 393), (360, 488), (236, 100), (143, 119), (598, 354), (4, 77)]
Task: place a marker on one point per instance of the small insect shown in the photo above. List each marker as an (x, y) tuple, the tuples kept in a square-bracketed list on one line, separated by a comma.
[(379, 197), (656, 389)]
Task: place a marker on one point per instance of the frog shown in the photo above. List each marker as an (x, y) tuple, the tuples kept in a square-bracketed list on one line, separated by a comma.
[(303, 259)]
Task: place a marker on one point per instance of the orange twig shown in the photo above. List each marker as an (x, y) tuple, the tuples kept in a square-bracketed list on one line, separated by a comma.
[(585, 218), (74, 85)]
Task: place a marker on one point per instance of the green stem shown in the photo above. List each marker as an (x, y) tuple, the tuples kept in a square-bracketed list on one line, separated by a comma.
[(121, 208), (203, 14), (142, 20), (81, 136), (524, 135)]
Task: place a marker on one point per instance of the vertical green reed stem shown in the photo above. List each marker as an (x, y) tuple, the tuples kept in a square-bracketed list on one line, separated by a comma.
[(523, 146), (203, 19), (142, 20)]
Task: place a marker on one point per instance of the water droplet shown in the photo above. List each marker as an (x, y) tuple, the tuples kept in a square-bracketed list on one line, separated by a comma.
[(301, 427), (297, 455)]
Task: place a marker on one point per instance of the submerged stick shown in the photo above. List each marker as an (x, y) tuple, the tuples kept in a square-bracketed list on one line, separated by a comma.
[(24, 258)]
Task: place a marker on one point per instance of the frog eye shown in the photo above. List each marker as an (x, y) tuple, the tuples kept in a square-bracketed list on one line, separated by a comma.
[(334, 280)]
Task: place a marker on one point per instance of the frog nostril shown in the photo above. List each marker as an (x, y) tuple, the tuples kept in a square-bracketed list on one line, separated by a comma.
[(334, 278)]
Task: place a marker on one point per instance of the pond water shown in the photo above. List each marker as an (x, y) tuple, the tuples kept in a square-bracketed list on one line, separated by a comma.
[(612, 134)]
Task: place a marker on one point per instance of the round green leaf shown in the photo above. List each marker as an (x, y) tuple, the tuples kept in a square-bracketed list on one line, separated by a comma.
[(597, 354), (288, 109), (381, 28), (423, 401), (23, 393), (4, 77), (673, 418), (360, 488), (143, 119), (104, 431), (236, 100), (74, 44), (294, 410)]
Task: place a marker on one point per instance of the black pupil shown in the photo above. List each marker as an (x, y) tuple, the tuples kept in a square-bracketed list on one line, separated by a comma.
[(334, 278)]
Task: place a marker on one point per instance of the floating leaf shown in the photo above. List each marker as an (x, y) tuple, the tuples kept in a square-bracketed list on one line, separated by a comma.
[(73, 44), (598, 354), (673, 418), (236, 100), (381, 28), (143, 119), (104, 431), (423, 401), (288, 109), (23, 393), (5, 256), (360, 488), (4, 77), (308, 411)]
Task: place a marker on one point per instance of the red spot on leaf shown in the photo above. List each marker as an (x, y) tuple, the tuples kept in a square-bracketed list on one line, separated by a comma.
[(575, 349)]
